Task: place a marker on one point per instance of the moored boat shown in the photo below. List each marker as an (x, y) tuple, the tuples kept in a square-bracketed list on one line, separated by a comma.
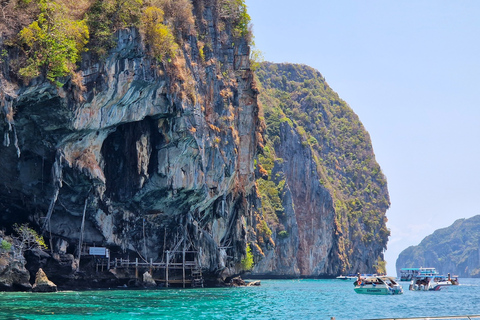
[(453, 280), (407, 274), (378, 285), (431, 282), (353, 277)]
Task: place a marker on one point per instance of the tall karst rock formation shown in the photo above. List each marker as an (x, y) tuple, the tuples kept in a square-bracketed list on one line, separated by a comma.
[(155, 149), (323, 194), (149, 142)]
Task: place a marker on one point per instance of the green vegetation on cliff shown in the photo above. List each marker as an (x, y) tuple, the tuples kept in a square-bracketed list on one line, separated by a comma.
[(454, 250), (52, 43), (52, 34), (341, 148)]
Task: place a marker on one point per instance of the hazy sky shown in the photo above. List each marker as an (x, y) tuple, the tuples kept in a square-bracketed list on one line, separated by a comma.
[(410, 69)]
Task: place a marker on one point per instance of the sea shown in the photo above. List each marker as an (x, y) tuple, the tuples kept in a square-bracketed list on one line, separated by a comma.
[(273, 299)]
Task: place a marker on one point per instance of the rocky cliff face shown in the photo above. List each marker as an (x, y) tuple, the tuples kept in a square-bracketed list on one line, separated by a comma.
[(308, 215), (453, 250), (323, 195), (154, 156), (143, 154)]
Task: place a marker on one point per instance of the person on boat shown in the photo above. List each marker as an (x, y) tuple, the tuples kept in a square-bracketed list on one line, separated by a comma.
[(452, 281), (359, 280)]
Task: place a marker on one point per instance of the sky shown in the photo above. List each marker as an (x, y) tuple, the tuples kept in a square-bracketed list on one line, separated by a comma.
[(410, 69)]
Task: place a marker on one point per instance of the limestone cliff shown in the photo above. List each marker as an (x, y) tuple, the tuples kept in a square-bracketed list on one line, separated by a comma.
[(323, 194), (148, 143), (155, 154), (454, 249)]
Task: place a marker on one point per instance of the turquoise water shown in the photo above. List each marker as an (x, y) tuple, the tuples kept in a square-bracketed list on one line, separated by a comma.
[(274, 299)]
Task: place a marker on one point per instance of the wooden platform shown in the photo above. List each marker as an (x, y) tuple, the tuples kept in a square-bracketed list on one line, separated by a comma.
[(195, 277)]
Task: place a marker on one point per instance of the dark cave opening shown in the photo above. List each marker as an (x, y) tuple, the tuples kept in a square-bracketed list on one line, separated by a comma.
[(122, 156)]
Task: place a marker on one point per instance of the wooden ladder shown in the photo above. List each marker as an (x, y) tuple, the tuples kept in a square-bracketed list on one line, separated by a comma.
[(197, 278)]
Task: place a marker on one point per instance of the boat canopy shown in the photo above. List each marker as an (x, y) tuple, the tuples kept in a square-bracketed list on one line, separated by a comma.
[(417, 269), (382, 278)]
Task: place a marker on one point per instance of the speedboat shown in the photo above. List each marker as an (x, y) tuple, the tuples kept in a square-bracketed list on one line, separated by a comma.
[(431, 282), (377, 285), (353, 277), (453, 280)]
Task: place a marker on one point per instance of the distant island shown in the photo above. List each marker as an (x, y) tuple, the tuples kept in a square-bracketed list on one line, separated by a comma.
[(454, 250)]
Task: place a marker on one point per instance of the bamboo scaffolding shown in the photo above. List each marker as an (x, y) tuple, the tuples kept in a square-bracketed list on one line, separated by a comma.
[(169, 265)]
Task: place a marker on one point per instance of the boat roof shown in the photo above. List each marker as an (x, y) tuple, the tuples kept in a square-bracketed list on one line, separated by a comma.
[(434, 272), (383, 278)]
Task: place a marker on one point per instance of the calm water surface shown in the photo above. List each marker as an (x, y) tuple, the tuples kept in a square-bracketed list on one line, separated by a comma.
[(274, 299)]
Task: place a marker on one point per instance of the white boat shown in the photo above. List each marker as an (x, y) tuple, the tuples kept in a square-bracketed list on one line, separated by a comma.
[(407, 274), (378, 285), (354, 277), (431, 282)]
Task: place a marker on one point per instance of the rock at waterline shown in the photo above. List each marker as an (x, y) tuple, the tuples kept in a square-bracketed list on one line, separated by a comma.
[(13, 275), (42, 284), (239, 282), (148, 280)]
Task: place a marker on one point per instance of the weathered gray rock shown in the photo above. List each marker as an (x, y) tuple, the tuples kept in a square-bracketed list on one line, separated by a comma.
[(149, 153), (255, 283), (326, 197), (160, 156), (148, 280), (60, 267), (237, 282), (309, 215), (42, 284), (13, 274)]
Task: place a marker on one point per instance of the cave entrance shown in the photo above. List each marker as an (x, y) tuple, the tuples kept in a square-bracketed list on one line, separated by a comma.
[(129, 158)]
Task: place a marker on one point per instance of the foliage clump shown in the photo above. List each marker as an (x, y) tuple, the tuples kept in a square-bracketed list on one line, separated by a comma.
[(105, 17), (247, 262), (156, 19), (236, 12), (27, 238), (52, 43), (283, 234), (5, 245), (158, 35)]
